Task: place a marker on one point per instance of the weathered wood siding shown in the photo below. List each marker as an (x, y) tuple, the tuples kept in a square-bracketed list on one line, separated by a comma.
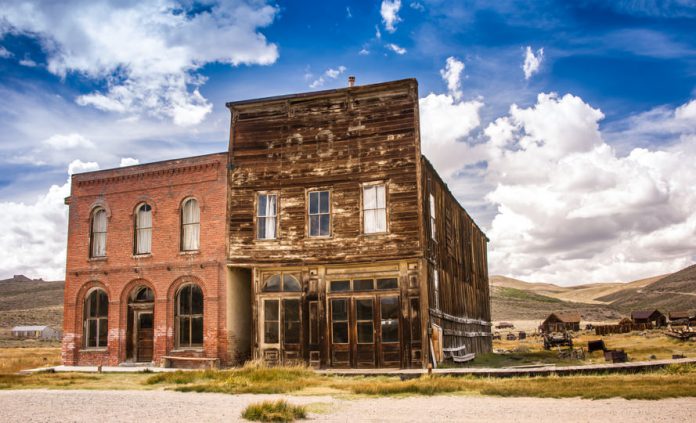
[(333, 140), (458, 252)]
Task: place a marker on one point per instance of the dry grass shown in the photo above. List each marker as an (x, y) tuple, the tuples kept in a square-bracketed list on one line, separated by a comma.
[(13, 360), (274, 411)]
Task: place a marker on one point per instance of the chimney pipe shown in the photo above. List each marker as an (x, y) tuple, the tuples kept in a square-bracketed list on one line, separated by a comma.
[(351, 81)]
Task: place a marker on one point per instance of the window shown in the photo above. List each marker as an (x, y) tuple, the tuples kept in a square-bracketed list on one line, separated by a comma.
[(189, 316), (190, 225), (339, 321), (143, 229), (432, 218), (98, 233), (319, 214), (374, 209), (365, 322), (266, 216), (144, 295), (291, 321), (96, 319), (281, 282), (436, 289), (271, 319), (389, 311)]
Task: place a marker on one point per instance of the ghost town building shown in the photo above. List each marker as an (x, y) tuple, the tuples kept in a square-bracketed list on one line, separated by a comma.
[(322, 236)]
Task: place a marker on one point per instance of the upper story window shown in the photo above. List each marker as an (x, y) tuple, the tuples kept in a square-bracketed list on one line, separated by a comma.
[(266, 216), (190, 225), (319, 213), (97, 239), (374, 209), (143, 229), (432, 218), (96, 319)]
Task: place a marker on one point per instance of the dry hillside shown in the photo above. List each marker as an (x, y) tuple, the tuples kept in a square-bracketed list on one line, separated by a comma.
[(25, 301)]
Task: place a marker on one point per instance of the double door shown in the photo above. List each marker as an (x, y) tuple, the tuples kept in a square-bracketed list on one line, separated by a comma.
[(365, 331)]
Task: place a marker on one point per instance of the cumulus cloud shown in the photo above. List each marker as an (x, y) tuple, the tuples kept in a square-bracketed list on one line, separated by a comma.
[(452, 75), (390, 14), (128, 161), (67, 142), (5, 53), (532, 62), (35, 235), (396, 49), (330, 73), (146, 53)]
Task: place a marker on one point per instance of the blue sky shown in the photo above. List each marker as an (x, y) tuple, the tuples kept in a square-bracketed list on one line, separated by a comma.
[(608, 89)]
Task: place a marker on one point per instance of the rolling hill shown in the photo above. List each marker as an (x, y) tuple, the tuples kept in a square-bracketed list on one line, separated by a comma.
[(25, 301)]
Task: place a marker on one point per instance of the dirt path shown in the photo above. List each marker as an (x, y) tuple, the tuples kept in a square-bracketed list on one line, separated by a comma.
[(164, 406)]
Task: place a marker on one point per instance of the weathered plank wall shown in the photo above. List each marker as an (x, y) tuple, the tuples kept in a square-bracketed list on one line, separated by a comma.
[(459, 253), (333, 140)]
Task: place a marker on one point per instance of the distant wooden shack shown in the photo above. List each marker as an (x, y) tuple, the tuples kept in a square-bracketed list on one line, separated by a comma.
[(44, 333), (561, 322), (654, 317), (679, 317)]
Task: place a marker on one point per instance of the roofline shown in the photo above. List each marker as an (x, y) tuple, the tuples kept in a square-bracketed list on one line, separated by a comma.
[(111, 169), (323, 93)]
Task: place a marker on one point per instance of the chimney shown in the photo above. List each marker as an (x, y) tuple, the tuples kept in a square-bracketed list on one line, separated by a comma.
[(351, 81)]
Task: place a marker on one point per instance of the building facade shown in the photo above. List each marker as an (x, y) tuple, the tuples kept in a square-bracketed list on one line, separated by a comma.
[(322, 236)]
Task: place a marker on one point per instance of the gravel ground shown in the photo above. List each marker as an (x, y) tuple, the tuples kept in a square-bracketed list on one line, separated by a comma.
[(165, 406)]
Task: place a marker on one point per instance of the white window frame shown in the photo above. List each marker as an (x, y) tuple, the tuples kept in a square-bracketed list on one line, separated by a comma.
[(318, 213), (94, 234), (184, 225), (373, 189), (265, 217)]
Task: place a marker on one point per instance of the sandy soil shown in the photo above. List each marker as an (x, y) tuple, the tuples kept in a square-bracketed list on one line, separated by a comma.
[(161, 406)]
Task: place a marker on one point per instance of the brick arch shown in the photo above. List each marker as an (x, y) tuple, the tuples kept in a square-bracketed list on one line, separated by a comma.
[(144, 199), (185, 280), (81, 295), (130, 286), (99, 203), (187, 196)]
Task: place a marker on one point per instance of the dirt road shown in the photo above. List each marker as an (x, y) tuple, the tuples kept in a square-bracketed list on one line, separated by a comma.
[(162, 406)]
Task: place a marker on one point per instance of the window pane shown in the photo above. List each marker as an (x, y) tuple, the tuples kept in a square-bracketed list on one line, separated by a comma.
[(291, 310), (270, 310), (365, 333), (390, 331), (338, 286), (363, 309), (197, 331), (144, 241), (390, 283), (270, 333), (92, 333), (325, 224), (380, 220), (291, 319), (290, 284), (314, 226), (261, 227), (370, 221), (313, 202), (92, 304), (185, 300), (324, 202), (415, 320), (291, 332), (184, 331), (262, 205), (196, 300), (369, 198), (381, 197), (363, 284), (103, 304), (340, 333), (272, 284), (145, 321), (339, 310), (103, 332), (389, 307)]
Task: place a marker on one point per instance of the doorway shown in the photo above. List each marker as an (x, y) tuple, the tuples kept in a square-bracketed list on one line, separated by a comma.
[(141, 325)]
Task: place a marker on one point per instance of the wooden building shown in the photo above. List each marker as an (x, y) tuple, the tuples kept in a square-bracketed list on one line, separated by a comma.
[(44, 333), (561, 322), (344, 248), (654, 317)]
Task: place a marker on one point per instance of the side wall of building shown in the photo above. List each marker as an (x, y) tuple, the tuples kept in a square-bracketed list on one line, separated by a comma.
[(459, 298), (164, 186)]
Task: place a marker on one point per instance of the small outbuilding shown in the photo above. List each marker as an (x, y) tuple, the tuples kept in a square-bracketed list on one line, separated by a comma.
[(561, 322), (654, 317), (44, 333), (679, 317)]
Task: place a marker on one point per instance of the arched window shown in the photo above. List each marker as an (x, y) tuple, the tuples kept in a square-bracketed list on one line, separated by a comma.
[(190, 225), (96, 319), (189, 316), (144, 295), (97, 239), (281, 282), (143, 229)]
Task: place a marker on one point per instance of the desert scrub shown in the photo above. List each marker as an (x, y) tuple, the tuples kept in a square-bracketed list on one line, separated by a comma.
[(253, 378), (274, 411), (425, 385)]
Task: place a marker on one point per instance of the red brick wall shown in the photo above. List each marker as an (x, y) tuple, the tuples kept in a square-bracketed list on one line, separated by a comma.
[(164, 185)]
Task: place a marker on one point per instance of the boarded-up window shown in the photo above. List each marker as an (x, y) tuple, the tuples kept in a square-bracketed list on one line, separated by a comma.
[(143, 229), (319, 213), (190, 225), (266, 216), (374, 209), (98, 233), (189, 316), (433, 234), (96, 319)]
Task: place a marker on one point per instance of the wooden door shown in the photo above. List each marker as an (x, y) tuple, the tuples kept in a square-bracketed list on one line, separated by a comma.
[(144, 336), (363, 331), (389, 332), (339, 309), (292, 331)]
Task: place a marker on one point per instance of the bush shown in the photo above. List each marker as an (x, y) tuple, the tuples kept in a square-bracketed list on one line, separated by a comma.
[(274, 411)]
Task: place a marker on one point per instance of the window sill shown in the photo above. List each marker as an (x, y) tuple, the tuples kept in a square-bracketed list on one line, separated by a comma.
[(192, 349), (141, 256), (189, 253), (94, 349), (266, 239), (375, 234), (91, 259)]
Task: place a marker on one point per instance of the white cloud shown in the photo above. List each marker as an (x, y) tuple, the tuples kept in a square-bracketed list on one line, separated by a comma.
[(417, 6), (69, 141), (147, 53), (364, 52), (532, 62), (396, 49), (27, 62), (348, 14), (334, 73), (452, 75), (128, 161), (378, 33), (329, 73), (34, 237), (390, 14), (5, 53)]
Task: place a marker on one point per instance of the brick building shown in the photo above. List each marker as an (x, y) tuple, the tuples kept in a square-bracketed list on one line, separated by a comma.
[(321, 236)]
